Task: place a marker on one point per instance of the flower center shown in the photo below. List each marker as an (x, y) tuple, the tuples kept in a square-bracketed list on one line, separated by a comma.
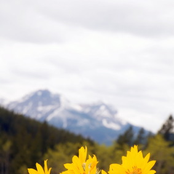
[(135, 170), (84, 166), (90, 168)]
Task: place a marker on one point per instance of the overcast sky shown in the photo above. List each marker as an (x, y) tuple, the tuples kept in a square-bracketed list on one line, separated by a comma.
[(120, 52)]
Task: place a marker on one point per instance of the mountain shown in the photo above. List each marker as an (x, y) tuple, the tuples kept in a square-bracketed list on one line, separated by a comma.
[(98, 121)]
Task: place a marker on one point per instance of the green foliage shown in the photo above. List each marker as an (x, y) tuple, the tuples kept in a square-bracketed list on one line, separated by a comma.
[(61, 154), (161, 151), (24, 141), (5, 155)]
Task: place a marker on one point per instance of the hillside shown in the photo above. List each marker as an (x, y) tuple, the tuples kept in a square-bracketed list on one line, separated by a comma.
[(23, 141)]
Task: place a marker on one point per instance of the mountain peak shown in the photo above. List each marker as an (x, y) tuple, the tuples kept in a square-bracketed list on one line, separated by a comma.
[(100, 109), (43, 92), (99, 120), (44, 96)]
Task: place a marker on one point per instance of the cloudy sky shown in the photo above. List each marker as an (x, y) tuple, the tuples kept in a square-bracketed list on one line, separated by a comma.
[(117, 51)]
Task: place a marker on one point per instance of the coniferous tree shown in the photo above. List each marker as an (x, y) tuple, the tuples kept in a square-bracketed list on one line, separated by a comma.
[(141, 137), (24, 141), (126, 137), (167, 128)]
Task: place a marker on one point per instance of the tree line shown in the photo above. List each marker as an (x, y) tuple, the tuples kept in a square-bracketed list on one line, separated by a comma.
[(24, 141)]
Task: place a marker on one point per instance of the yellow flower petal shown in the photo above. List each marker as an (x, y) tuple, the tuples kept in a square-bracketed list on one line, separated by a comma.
[(82, 154), (152, 172), (68, 166), (80, 165), (32, 171), (103, 172), (149, 166), (133, 163), (45, 166), (40, 169)]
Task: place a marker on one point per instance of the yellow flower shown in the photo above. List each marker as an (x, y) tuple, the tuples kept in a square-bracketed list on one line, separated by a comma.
[(40, 169), (133, 163), (80, 165)]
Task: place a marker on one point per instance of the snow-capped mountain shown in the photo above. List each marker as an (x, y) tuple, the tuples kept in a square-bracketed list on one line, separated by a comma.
[(98, 121), (104, 113)]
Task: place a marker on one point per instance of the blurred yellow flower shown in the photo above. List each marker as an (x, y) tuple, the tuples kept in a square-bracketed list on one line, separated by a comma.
[(133, 163), (80, 165), (40, 170)]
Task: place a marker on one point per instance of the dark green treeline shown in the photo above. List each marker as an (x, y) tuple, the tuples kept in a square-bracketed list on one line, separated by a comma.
[(24, 141)]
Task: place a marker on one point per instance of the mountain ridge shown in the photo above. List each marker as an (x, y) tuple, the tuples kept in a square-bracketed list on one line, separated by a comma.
[(98, 121)]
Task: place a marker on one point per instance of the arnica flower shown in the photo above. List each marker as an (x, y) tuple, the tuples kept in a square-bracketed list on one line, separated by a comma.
[(80, 165), (40, 170), (133, 163)]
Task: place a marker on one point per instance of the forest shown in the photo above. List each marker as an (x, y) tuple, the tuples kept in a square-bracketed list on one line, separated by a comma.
[(24, 141)]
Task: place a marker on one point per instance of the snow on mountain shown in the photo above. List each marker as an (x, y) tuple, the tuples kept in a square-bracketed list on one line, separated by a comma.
[(105, 113), (99, 121), (37, 104)]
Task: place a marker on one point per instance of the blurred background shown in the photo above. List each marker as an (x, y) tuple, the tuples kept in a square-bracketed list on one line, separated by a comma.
[(98, 71)]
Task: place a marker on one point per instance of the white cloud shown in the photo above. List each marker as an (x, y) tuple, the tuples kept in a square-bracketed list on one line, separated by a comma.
[(55, 21), (117, 51)]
